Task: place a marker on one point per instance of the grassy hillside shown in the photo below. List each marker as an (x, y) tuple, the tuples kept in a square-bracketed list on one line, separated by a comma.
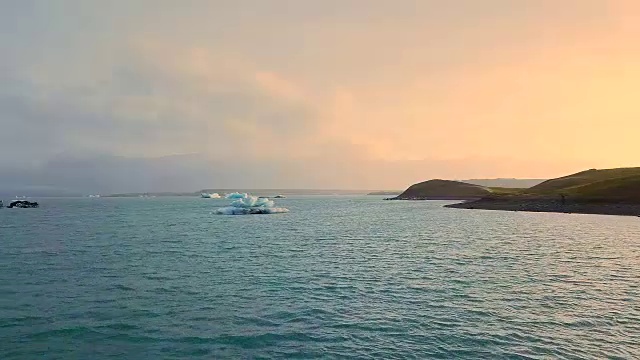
[(613, 185), (505, 183), (626, 189), (610, 185), (443, 189), (503, 191), (611, 192), (584, 178)]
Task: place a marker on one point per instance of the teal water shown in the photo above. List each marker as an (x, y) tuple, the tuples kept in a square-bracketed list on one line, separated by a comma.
[(337, 277)]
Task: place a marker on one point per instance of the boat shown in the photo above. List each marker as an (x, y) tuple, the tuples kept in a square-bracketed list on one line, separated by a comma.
[(280, 197)]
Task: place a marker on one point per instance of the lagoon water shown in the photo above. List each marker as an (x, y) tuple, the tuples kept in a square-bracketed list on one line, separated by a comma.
[(337, 277)]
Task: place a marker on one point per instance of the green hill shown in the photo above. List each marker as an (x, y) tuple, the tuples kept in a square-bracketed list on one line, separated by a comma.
[(505, 183), (598, 185), (625, 189), (443, 190), (610, 191), (583, 178), (607, 185)]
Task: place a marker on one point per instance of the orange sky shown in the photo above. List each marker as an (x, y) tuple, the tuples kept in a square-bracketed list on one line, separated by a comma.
[(568, 93), (460, 89)]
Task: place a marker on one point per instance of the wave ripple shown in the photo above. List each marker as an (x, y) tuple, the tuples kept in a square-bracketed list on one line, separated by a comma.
[(135, 279)]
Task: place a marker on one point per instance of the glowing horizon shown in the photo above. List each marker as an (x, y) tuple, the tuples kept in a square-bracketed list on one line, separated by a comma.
[(375, 94)]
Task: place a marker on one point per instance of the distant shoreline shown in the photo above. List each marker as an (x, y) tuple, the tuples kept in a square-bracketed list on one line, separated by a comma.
[(256, 192), (387, 193), (551, 206)]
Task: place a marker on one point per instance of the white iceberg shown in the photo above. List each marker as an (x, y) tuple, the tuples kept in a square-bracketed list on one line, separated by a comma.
[(236, 195), (244, 204)]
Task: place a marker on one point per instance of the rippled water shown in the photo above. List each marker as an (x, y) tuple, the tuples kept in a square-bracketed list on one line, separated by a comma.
[(337, 277)]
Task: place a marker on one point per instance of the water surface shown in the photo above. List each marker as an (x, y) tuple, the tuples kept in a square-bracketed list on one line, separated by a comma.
[(337, 277)]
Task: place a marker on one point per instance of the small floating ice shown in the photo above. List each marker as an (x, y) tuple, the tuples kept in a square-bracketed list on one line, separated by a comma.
[(210, 196)]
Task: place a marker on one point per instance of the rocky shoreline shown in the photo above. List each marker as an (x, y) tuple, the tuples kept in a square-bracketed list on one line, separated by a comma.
[(554, 206)]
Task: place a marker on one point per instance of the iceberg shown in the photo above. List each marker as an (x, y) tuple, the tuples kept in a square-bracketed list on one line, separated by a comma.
[(245, 204), (236, 195)]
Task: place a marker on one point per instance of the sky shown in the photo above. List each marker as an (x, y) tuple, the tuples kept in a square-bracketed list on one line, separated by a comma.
[(162, 95)]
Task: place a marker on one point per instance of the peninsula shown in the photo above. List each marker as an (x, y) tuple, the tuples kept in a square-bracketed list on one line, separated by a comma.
[(608, 191)]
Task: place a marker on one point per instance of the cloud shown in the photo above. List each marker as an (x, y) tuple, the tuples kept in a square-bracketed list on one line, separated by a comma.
[(116, 124), (154, 101), (323, 94)]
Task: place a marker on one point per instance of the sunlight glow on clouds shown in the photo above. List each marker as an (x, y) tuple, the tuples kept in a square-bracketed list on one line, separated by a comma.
[(378, 95)]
